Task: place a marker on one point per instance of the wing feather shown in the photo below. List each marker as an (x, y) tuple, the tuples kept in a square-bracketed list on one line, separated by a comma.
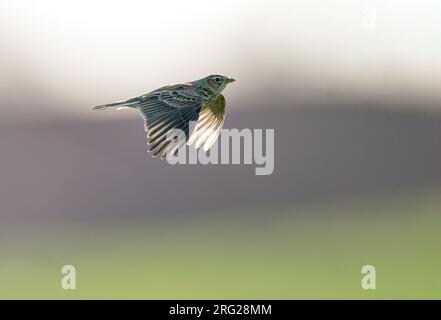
[(209, 125), (165, 111)]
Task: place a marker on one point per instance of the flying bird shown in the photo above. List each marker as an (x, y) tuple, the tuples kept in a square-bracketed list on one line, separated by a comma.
[(191, 113)]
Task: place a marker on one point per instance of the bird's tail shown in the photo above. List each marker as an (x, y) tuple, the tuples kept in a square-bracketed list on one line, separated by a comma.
[(117, 105)]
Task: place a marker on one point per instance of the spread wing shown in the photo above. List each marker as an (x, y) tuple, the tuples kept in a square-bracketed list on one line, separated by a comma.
[(168, 112), (209, 125)]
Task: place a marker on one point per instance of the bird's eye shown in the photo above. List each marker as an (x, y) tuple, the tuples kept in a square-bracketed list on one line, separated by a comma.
[(217, 79)]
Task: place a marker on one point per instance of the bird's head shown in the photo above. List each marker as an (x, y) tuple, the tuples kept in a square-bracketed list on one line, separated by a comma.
[(216, 83)]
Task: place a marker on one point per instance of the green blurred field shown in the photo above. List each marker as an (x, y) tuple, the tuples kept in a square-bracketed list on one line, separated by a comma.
[(283, 253)]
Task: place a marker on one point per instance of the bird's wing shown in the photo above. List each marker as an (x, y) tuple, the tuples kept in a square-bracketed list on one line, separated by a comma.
[(165, 112), (209, 125)]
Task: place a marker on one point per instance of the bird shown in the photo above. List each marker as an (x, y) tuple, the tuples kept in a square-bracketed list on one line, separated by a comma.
[(192, 113)]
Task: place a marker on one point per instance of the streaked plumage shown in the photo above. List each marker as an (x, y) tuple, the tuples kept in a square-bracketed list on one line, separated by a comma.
[(175, 107)]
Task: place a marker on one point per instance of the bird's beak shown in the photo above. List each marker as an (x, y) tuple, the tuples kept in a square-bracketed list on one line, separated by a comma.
[(230, 80)]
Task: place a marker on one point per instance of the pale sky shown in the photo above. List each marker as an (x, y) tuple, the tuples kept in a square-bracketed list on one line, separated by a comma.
[(90, 52)]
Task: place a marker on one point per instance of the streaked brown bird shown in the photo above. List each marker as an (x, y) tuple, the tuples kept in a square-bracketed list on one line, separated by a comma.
[(196, 110)]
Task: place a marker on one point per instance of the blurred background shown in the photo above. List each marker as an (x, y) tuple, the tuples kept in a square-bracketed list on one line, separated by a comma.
[(350, 87)]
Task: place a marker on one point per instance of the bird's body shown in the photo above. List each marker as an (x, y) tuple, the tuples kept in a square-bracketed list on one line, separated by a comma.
[(192, 113)]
